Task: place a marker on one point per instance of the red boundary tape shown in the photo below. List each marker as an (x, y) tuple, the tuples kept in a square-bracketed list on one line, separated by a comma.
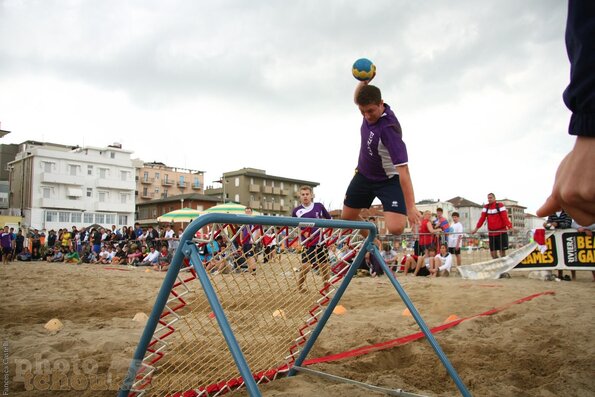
[(267, 375), (418, 335)]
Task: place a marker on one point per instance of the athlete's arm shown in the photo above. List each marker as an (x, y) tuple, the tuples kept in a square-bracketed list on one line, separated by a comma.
[(407, 187)]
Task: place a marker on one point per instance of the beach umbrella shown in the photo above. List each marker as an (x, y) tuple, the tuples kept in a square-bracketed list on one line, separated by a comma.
[(229, 208), (181, 215)]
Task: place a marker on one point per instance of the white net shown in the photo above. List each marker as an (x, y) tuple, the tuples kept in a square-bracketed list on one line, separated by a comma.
[(272, 283)]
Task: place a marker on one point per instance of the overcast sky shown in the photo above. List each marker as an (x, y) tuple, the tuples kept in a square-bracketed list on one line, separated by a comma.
[(221, 85)]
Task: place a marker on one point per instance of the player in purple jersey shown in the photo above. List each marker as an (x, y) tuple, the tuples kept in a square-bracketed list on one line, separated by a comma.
[(6, 244), (314, 251), (382, 169)]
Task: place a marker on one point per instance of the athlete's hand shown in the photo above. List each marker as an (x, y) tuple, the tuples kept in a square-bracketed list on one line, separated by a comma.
[(574, 186), (413, 215)]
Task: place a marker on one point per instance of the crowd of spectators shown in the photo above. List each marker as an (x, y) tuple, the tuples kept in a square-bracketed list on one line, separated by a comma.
[(133, 246)]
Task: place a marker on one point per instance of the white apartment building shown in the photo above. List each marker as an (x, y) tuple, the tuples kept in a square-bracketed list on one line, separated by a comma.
[(57, 186)]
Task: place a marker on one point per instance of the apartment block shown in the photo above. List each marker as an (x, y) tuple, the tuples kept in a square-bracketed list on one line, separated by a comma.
[(55, 186), (156, 180), (268, 194)]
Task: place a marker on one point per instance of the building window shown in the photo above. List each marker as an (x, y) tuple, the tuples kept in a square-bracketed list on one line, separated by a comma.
[(156, 190), (122, 219), (112, 155), (252, 181), (164, 192), (281, 185), (264, 182), (89, 170), (110, 218), (273, 183), (237, 181), (51, 216), (102, 197), (237, 198), (123, 198), (196, 182), (47, 192), (251, 197), (157, 176), (145, 176), (103, 173), (182, 180), (75, 217), (73, 169), (154, 212), (145, 191), (124, 175), (282, 201), (64, 216), (47, 166), (294, 187), (88, 217), (100, 218), (90, 192)]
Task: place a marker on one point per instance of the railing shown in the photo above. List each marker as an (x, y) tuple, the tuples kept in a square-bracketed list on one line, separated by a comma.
[(474, 248)]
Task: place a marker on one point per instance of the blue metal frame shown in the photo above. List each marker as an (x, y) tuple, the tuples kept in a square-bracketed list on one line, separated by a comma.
[(188, 249)]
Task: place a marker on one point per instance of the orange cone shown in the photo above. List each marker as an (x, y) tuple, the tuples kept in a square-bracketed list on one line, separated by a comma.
[(406, 313), (451, 318), (212, 315), (339, 310)]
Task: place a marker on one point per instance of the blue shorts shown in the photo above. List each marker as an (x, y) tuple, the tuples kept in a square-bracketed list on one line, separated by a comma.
[(362, 191)]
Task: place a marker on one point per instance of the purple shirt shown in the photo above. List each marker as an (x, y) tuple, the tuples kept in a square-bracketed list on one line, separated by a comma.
[(314, 210), (5, 240), (382, 147)]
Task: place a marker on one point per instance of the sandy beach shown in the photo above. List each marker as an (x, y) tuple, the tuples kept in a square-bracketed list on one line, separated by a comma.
[(541, 347)]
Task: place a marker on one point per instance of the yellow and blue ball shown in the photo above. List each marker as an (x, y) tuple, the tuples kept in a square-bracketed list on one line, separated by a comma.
[(363, 69)]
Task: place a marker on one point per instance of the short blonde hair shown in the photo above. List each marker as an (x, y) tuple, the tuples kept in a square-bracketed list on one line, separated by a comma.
[(306, 187)]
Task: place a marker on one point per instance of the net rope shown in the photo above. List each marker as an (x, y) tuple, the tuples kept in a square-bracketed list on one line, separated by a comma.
[(271, 318)]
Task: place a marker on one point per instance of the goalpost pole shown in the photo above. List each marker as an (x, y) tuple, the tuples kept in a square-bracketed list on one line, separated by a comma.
[(420, 322)]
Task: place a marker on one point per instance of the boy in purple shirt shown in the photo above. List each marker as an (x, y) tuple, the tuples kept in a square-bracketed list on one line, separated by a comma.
[(382, 169), (6, 243), (314, 251)]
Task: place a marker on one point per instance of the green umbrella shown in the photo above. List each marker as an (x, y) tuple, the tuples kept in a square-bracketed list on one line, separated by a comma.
[(229, 208), (181, 215)]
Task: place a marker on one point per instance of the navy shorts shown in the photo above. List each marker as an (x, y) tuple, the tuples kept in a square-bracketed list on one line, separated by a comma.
[(499, 242), (314, 255), (248, 250), (362, 191), (454, 251)]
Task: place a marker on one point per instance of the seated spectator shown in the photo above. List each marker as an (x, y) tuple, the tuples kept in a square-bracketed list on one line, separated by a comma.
[(558, 220), (24, 255), (119, 256), (425, 263), (442, 263), (409, 263), (135, 256), (58, 256), (163, 260), (103, 256), (72, 256), (89, 255), (35, 255), (390, 257), (152, 257)]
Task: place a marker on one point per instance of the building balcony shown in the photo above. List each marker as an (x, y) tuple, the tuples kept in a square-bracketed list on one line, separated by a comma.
[(284, 192), (147, 181), (254, 188), (276, 190), (196, 186), (109, 206), (60, 203), (148, 195), (267, 189), (167, 182), (182, 184), (277, 207), (114, 184), (65, 179), (255, 204)]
